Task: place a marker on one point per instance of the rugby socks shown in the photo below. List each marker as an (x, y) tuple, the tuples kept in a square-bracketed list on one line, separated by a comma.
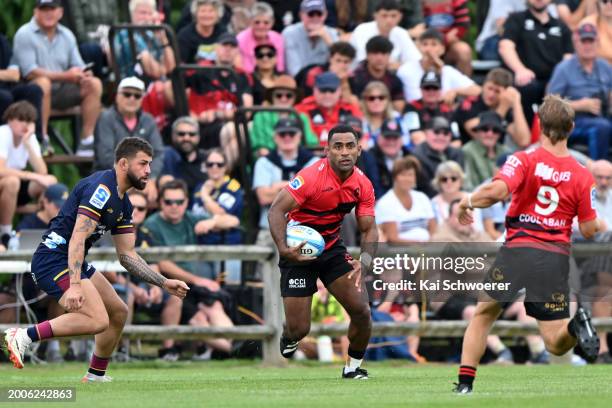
[(467, 375), (41, 331), (98, 365), (354, 361), (571, 329)]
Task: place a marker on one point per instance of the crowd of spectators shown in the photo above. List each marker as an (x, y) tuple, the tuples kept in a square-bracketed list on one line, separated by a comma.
[(399, 71)]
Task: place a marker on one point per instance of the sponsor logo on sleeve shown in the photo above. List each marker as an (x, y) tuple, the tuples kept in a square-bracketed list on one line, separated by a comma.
[(593, 196), (226, 200), (100, 196), (296, 183)]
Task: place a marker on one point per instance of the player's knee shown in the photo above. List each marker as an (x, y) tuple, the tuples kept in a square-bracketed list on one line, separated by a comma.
[(119, 315), (360, 315)]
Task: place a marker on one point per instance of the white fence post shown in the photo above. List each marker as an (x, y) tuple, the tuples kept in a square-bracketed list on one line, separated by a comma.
[(273, 314)]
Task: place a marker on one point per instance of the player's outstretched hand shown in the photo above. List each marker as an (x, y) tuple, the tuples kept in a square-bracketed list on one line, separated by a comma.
[(74, 298), (294, 254), (465, 215), (176, 287), (356, 273)]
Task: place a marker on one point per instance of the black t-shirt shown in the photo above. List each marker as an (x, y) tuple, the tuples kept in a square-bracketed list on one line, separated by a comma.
[(5, 58), (362, 77), (417, 116), (572, 4), (193, 47), (470, 108), (540, 47)]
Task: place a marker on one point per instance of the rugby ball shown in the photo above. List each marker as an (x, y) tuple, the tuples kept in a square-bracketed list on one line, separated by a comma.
[(315, 244)]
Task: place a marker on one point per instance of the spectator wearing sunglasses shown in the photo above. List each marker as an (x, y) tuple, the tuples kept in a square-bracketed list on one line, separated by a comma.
[(265, 72), (260, 32), (436, 149), (308, 41), (325, 108), (378, 110), (282, 94), (126, 119), (482, 153)]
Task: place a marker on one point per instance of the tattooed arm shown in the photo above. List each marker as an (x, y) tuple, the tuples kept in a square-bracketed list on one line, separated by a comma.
[(137, 266)]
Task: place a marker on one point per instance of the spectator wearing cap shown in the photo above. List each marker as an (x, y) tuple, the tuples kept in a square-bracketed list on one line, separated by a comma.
[(18, 148), (196, 41), (452, 19), (387, 15), (308, 41), (388, 148), (126, 119), (603, 21), (586, 80), (273, 172), (377, 109), (341, 57), (265, 72), (282, 94), (376, 67), (454, 82), (325, 107), (419, 113), (436, 149), (47, 55), (498, 95), (482, 153), (49, 205), (533, 42), (260, 32)]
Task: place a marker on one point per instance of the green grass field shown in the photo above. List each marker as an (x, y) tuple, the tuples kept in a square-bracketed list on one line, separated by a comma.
[(241, 384)]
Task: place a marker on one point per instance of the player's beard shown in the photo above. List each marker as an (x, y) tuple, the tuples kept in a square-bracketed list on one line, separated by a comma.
[(537, 9), (137, 183)]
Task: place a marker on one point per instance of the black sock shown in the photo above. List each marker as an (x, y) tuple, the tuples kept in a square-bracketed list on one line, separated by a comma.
[(357, 355), (467, 375), (570, 328)]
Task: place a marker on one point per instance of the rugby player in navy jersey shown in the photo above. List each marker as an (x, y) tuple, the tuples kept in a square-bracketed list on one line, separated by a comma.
[(319, 197), (98, 203)]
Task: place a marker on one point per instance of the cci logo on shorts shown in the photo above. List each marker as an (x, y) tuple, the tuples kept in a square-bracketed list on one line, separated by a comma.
[(297, 283)]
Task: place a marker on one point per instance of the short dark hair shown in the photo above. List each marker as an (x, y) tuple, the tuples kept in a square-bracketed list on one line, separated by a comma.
[(342, 128), (343, 48), (379, 44), (22, 110), (500, 77), (388, 5), (431, 34), (175, 184), (406, 163), (130, 146)]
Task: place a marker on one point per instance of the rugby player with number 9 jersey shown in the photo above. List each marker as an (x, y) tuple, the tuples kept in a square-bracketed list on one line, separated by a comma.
[(319, 197), (549, 188)]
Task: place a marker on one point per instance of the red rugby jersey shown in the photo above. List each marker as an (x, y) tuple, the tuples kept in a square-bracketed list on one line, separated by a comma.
[(324, 199), (547, 193)]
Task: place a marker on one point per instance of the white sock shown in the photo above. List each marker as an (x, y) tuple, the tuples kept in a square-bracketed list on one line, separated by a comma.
[(88, 140), (352, 364), (6, 229)]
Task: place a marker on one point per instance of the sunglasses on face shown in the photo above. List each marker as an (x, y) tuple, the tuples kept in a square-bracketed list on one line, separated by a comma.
[(182, 133), (315, 13), (262, 55), (605, 1), (327, 90), (451, 178), (262, 22), (135, 95), (373, 98), (487, 129), (283, 95), (139, 208), (287, 134), (174, 202), (442, 132), (215, 164), (431, 88)]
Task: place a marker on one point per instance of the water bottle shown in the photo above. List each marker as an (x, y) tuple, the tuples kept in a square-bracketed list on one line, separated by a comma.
[(13, 244), (325, 349)]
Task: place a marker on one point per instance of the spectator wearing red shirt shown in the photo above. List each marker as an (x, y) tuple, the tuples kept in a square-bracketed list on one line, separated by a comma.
[(324, 108), (451, 18)]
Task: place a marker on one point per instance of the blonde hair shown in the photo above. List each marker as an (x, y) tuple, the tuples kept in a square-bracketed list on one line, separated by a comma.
[(218, 4), (449, 166), (135, 3), (376, 86), (556, 118)]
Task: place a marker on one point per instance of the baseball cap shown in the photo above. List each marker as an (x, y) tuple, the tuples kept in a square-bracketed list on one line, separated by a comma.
[(390, 128), (439, 122), (351, 120), (587, 30), (431, 79), (228, 38), (48, 3), (313, 5), (287, 125), (57, 194), (132, 82), (327, 80), (490, 119)]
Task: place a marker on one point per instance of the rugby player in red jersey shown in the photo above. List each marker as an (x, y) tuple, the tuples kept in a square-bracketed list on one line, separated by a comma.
[(319, 197), (549, 188)]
